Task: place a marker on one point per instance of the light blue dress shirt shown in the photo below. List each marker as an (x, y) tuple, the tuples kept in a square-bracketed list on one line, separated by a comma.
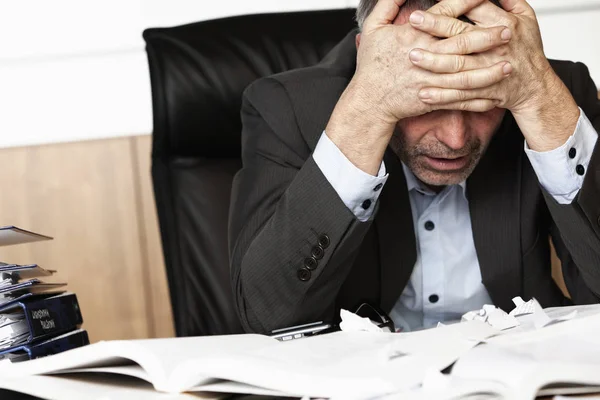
[(446, 279)]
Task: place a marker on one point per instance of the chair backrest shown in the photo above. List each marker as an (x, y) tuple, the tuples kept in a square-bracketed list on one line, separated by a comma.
[(198, 73)]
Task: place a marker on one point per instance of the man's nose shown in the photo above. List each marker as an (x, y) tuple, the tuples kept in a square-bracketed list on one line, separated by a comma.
[(453, 130)]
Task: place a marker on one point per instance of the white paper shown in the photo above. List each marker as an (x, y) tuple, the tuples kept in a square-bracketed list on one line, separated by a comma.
[(353, 323), (522, 307), (93, 387), (493, 316), (11, 235)]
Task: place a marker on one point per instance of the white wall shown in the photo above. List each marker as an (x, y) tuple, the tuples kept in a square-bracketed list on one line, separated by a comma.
[(75, 70)]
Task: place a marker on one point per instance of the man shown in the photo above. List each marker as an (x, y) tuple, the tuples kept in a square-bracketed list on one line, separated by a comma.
[(420, 167)]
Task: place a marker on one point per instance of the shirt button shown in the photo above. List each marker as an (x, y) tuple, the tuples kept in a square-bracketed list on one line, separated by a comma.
[(572, 152), (311, 263), (366, 204), (378, 187), (324, 241), (318, 252), (434, 298), (429, 225), (304, 274), (580, 170)]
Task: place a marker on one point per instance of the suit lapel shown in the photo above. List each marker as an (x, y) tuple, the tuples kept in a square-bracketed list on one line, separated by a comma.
[(494, 201), (394, 224)]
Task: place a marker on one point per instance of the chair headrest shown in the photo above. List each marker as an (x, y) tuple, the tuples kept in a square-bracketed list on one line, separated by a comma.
[(199, 72)]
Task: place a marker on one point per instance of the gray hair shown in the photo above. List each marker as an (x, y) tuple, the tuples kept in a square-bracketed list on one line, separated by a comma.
[(365, 7)]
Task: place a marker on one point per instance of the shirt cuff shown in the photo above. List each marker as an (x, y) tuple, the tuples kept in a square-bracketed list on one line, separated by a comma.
[(358, 190), (561, 171)]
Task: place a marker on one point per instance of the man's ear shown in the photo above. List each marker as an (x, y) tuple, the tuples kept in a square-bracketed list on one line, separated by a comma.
[(357, 40)]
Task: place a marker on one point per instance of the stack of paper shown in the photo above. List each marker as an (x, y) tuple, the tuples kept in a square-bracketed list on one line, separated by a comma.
[(13, 329), (34, 316)]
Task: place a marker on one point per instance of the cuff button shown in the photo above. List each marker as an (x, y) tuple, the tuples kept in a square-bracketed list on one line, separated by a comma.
[(311, 263), (324, 241), (304, 274), (580, 170), (318, 252)]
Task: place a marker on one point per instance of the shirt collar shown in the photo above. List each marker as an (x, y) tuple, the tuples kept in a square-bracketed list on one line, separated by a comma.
[(413, 183)]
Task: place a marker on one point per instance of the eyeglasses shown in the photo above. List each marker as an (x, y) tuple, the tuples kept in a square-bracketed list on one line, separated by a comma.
[(375, 314)]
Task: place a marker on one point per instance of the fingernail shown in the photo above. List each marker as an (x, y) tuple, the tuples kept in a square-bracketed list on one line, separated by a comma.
[(507, 69), (425, 95), (506, 34), (417, 18), (416, 55)]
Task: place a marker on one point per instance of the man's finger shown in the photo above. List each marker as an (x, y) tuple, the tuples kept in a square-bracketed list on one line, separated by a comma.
[(477, 105), (438, 25), (439, 96), (454, 8), (487, 14), (384, 13), (475, 79), (476, 41), (517, 7), (443, 63)]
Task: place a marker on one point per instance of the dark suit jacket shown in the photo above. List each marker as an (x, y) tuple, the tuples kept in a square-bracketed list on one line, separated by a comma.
[(282, 205)]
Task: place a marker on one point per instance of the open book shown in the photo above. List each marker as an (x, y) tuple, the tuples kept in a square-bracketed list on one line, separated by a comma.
[(516, 364), (524, 363), (349, 365)]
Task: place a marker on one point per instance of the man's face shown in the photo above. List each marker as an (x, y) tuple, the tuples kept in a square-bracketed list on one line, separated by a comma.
[(443, 147)]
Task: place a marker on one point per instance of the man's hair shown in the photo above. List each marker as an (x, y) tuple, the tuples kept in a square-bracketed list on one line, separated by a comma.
[(365, 7)]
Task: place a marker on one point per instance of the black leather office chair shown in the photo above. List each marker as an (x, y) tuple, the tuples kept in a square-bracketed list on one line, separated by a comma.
[(198, 74)]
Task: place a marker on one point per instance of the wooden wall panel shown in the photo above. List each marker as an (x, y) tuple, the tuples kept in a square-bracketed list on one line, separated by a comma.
[(83, 194), (154, 267)]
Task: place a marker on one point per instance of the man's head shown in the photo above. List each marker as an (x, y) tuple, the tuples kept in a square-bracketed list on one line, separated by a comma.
[(442, 147)]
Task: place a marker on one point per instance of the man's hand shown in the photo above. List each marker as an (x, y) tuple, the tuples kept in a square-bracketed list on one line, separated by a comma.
[(389, 81), (386, 84), (541, 104)]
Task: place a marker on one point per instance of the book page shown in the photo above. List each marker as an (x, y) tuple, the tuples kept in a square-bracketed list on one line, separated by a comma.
[(587, 317), (157, 357), (93, 387), (340, 364), (561, 361)]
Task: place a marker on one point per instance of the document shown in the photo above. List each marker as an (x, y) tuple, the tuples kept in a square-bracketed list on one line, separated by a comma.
[(11, 235), (95, 387), (349, 365)]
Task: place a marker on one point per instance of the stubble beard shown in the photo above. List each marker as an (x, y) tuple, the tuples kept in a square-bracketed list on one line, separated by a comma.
[(414, 158)]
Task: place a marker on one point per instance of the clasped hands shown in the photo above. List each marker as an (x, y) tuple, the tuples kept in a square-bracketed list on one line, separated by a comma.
[(414, 63)]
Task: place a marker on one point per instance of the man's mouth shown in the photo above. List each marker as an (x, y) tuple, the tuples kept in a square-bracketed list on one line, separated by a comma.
[(447, 164)]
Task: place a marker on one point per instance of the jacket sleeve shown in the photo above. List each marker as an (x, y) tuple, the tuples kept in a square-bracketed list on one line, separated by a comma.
[(576, 231), (284, 215)]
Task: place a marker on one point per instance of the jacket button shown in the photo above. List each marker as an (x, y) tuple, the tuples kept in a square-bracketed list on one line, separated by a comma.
[(304, 274), (324, 241), (318, 252), (311, 263)]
